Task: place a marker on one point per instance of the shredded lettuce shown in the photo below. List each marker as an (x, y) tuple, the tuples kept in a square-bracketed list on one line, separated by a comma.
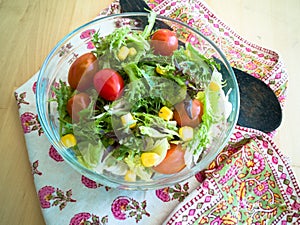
[(135, 165), (216, 108), (62, 94), (90, 154), (158, 133), (112, 165), (148, 29)]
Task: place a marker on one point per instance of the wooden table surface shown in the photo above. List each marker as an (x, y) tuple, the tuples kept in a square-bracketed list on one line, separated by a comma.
[(30, 28)]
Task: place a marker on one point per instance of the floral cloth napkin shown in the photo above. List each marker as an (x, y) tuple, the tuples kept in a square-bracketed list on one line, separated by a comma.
[(250, 182)]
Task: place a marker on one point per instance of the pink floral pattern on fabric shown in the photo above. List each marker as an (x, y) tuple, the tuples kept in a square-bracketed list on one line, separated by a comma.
[(200, 176), (53, 153), (85, 218), (45, 195), (34, 168), (34, 87), (163, 194), (177, 192), (250, 190), (123, 207), (30, 123), (92, 184), (20, 98), (87, 36), (119, 206), (65, 49), (49, 196)]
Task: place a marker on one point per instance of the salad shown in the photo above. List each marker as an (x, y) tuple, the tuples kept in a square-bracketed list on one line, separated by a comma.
[(140, 104)]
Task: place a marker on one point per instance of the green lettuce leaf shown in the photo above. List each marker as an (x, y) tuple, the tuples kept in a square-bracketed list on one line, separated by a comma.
[(62, 94), (217, 108), (90, 154)]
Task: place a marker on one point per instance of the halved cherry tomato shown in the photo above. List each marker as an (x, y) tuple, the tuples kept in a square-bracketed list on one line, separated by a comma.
[(173, 162), (109, 84), (164, 42), (76, 104), (82, 71), (182, 116)]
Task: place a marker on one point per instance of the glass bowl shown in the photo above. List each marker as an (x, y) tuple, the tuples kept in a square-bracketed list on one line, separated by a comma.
[(78, 42)]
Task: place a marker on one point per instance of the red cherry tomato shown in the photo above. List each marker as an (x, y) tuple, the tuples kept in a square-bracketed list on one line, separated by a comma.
[(82, 71), (182, 117), (76, 104), (173, 162), (109, 84), (164, 42)]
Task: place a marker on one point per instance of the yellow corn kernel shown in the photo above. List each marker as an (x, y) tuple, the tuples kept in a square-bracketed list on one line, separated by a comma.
[(165, 113), (186, 133), (132, 51), (123, 53), (213, 86), (68, 140), (130, 176), (160, 70), (149, 159), (128, 119)]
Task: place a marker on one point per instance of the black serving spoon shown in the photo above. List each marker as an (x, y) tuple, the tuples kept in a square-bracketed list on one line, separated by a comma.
[(259, 106)]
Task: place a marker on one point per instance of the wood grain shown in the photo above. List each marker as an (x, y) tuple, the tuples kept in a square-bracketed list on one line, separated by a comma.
[(30, 28)]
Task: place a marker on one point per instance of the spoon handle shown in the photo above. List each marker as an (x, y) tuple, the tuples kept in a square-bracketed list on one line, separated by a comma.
[(134, 6)]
